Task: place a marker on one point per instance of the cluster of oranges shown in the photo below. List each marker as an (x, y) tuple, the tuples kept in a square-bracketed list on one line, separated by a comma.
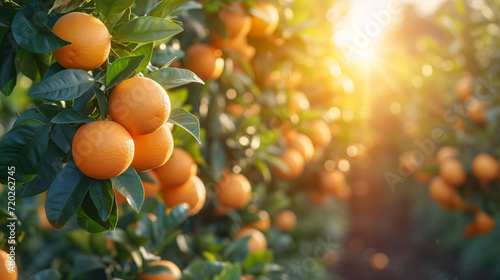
[(444, 188), (206, 61)]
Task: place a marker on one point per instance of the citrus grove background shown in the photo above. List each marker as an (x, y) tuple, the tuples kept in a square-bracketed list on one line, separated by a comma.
[(226, 140)]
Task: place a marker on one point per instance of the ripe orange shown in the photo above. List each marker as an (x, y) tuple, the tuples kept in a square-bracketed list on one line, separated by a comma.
[(192, 192), (89, 38), (470, 230), (152, 150), (295, 163), (264, 27), (485, 168), (257, 241), (103, 149), (303, 145), (174, 274), (140, 104), (5, 273), (263, 223), (205, 61), (464, 87), (319, 133), (477, 111), (297, 103), (484, 223), (441, 192), (177, 170), (236, 20), (379, 261), (150, 189), (445, 153), (42, 216), (234, 190), (285, 221), (452, 171), (332, 181)]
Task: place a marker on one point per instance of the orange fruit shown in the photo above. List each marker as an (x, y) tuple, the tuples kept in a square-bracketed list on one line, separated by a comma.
[(319, 133), (234, 190), (297, 103), (174, 274), (192, 192), (177, 170), (485, 168), (379, 261), (445, 153), (257, 241), (294, 161), (140, 104), (89, 38), (470, 230), (452, 172), (477, 111), (42, 216), (441, 192), (263, 223), (102, 149), (303, 145), (332, 181), (236, 20), (152, 150), (150, 189), (264, 27), (464, 87), (5, 272), (235, 109), (484, 223), (205, 61), (285, 221)]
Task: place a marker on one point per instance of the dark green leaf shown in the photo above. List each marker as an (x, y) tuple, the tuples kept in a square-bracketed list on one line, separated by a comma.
[(178, 215), (174, 77), (88, 217), (70, 116), (34, 35), (51, 166), (64, 85), (81, 101), (112, 10), (130, 186), (48, 274), (146, 178), (122, 68), (166, 7), (145, 29), (231, 272), (147, 50), (53, 68), (187, 121), (32, 65), (63, 135), (237, 250), (102, 101), (48, 110), (66, 194), (102, 194), (24, 147), (8, 75), (65, 6)]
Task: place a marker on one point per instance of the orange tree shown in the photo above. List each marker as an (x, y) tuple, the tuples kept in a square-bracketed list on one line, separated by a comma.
[(93, 154)]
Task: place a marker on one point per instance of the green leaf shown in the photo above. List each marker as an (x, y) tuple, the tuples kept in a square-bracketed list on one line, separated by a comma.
[(187, 121), (70, 116), (81, 102), (130, 186), (52, 164), (64, 85), (166, 7), (146, 178), (122, 68), (231, 272), (145, 29), (65, 6), (53, 69), (24, 147), (178, 215), (178, 97), (47, 274), (48, 111), (8, 75), (112, 10), (66, 194), (62, 135), (33, 34), (102, 194), (80, 239), (102, 101), (88, 217), (237, 250), (147, 50), (174, 77)]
